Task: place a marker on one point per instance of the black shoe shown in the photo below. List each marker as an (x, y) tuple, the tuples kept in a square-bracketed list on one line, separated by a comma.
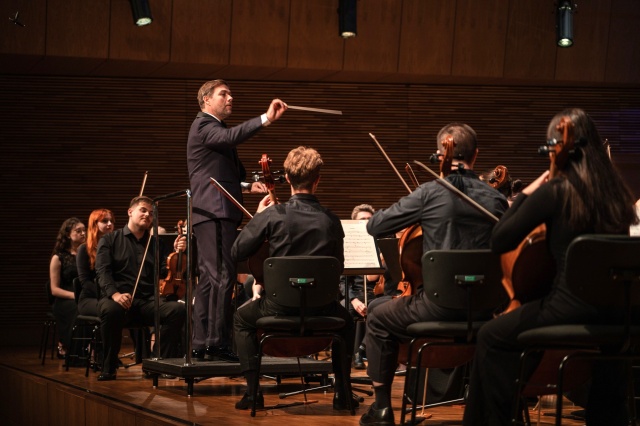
[(104, 377), (358, 362), (375, 417), (340, 402), (221, 353), (247, 400), (198, 353)]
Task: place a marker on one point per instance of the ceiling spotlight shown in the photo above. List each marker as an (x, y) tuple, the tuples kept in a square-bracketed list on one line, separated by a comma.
[(347, 18), (564, 23), (141, 12)]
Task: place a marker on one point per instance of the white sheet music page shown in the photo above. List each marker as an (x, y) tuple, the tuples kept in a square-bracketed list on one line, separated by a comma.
[(360, 254)]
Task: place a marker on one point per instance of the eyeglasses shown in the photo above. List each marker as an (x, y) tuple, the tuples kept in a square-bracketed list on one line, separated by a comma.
[(80, 231)]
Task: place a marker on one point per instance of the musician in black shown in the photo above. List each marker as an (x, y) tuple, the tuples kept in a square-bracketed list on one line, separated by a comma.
[(301, 226), (447, 222)]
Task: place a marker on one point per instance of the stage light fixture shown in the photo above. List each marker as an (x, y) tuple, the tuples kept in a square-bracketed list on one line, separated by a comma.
[(564, 23), (347, 16), (141, 12)]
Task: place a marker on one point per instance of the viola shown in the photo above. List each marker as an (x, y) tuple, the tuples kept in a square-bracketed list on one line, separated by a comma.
[(528, 271), (174, 284)]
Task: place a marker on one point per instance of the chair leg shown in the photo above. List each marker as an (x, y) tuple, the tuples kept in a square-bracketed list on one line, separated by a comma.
[(405, 392), (53, 338)]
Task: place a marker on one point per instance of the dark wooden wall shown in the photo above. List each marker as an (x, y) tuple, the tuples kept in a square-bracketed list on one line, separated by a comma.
[(73, 144), (89, 102)]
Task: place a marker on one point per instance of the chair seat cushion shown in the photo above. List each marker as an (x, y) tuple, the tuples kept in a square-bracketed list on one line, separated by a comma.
[(292, 323), (443, 328), (580, 335), (88, 318)]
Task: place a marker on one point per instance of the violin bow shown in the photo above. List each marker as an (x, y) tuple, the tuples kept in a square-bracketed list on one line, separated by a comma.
[(231, 198), (457, 191), (390, 162), (146, 249)]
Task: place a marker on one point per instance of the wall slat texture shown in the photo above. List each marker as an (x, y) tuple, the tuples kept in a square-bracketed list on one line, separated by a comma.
[(71, 145)]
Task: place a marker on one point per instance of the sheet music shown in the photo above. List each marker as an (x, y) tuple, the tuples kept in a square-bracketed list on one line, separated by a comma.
[(360, 254)]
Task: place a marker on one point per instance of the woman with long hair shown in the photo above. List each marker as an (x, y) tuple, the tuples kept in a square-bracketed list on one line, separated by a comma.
[(101, 222), (62, 271), (586, 195)]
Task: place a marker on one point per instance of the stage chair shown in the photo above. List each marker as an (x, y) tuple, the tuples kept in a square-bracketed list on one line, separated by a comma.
[(302, 283), (49, 327), (81, 324), (604, 271), (455, 279)]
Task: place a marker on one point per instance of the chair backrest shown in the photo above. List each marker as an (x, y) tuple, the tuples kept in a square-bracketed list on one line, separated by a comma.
[(319, 276), (604, 270), (463, 279)]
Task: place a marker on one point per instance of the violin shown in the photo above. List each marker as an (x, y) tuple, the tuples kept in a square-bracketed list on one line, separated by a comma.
[(528, 271), (174, 284)]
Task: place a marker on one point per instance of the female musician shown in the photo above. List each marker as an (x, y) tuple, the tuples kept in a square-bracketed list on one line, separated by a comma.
[(101, 222), (447, 222), (62, 271), (587, 195)]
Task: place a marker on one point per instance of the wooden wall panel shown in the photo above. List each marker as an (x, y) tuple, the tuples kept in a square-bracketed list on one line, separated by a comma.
[(591, 37), (78, 29), (427, 33), (530, 45), (481, 30), (259, 33), (375, 48), (623, 50), (92, 140)]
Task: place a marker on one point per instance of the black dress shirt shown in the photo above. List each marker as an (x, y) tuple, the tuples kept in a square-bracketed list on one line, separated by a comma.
[(118, 262), (299, 227)]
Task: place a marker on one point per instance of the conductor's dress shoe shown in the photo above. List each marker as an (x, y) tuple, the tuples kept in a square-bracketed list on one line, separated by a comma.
[(377, 417), (340, 402), (222, 353), (247, 400), (358, 362), (104, 377)]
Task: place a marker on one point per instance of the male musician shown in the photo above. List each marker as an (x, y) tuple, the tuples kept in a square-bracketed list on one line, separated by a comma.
[(127, 290), (301, 226), (211, 153), (447, 222)]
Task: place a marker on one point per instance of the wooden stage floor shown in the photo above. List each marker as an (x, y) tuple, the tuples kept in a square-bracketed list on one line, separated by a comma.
[(47, 395)]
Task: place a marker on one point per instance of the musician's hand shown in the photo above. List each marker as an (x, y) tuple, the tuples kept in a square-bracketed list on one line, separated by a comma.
[(276, 109), (359, 307), (264, 204), (257, 289), (122, 299), (258, 188), (180, 244), (543, 178)]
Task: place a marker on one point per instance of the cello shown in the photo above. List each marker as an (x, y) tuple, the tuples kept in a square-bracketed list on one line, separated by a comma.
[(529, 270)]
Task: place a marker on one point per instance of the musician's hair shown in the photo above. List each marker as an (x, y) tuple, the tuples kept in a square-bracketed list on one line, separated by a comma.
[(63, 240), (207, 88), (595, 196), (93, 232), (465, 138), (302, 167), (141, 199), (361, 208)]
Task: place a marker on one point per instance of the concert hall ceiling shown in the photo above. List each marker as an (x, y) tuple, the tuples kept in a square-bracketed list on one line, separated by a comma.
[(398, 41)]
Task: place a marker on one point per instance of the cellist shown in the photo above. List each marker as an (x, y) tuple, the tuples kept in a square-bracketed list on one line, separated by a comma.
[(447, 222), (581, 193)]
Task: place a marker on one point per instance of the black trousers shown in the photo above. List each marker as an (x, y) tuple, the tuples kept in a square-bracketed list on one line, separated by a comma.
[(492, 385), (387, 321), (246, 331), (213, 308), (114, 318)]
